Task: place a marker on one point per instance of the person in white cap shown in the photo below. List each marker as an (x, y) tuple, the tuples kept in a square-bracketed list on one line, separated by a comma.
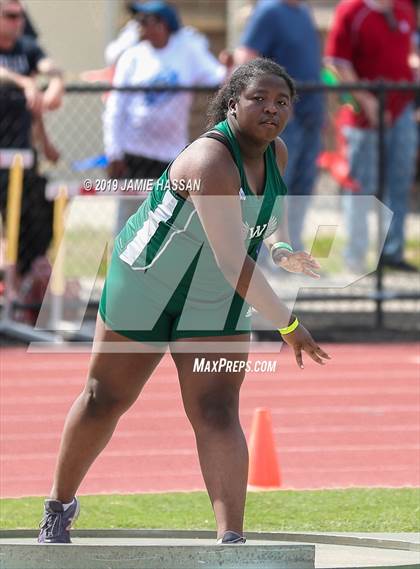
[(145, 130)]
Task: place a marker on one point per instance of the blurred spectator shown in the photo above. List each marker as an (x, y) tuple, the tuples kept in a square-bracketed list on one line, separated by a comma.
[(416, 65), (144, 131), (129, 35), (372, 40), (22, 105), (284, 31)]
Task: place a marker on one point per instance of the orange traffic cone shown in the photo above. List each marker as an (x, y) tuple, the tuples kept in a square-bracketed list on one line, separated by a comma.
[(264, 471)]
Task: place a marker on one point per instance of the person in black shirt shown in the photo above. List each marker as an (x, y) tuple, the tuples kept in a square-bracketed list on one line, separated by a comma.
[(22, 105)]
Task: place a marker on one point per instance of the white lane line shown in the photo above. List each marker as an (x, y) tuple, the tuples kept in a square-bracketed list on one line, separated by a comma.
[(123, 474), (43, 399), (58, 381), (319, 391), (193, 452), (387, 368), (187, 472), (350, 429), (312, 375), (342, 469), (58, 367), (326, 410), (111, 453), (122, 435), (133, 434)]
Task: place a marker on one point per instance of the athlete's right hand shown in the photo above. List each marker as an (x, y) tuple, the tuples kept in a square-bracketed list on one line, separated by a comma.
[(301, 341), (297, 262)]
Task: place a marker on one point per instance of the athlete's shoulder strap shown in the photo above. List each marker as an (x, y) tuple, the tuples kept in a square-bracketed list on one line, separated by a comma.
[(273, 148), (217, 135)]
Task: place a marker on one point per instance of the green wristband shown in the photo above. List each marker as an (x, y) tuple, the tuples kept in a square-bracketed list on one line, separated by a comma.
[(282, 245)]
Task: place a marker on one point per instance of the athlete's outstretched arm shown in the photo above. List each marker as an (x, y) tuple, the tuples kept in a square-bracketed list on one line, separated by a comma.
[(219, 210)]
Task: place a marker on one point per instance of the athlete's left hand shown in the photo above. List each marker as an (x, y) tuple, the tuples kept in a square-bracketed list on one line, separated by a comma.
[(299, 262), (301, 341)]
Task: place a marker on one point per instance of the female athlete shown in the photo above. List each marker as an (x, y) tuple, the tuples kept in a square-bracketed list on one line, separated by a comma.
[(183, 275)]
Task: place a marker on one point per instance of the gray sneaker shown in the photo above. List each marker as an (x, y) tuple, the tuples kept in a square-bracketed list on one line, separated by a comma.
[(231, 538), (56, 523)]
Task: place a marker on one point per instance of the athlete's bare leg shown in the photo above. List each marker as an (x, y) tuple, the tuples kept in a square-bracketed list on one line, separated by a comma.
[(211, 401), (115, 380)]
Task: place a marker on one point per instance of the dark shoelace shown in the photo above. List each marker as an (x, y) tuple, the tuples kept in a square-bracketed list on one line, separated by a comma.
[(239, 539), (51, 523)]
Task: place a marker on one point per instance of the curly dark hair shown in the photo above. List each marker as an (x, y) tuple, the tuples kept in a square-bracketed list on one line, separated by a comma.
[(239, 80)]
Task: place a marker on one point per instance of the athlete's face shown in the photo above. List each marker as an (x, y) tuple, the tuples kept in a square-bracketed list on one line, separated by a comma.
[(263, 108)]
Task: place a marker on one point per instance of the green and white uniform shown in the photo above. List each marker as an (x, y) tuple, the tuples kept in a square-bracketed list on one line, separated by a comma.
[(164, 282)]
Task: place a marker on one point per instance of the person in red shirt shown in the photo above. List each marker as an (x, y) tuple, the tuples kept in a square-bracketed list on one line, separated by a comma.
[(372, 40)]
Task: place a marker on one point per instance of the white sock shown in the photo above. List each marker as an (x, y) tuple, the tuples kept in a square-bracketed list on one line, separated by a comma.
[(66, 506)]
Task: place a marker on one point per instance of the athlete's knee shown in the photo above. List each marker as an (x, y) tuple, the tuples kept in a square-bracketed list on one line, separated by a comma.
[(218, 409), (102, 400)]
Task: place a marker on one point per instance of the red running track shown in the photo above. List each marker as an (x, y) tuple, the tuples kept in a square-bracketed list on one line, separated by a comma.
[(355, 422)]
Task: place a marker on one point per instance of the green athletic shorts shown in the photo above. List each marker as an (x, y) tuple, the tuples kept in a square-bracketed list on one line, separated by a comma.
[(140, 305)]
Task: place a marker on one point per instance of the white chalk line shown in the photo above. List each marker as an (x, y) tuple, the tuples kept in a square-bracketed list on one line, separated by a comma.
[(192, 452), (142, 433)]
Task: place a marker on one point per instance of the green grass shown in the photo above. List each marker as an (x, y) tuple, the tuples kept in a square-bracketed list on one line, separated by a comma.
[(84, 250), (356, 510), (322, 245), (412, 252)]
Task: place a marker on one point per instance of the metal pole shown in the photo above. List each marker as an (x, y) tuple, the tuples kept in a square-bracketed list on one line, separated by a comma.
[(57, 276), (112, 10), (237, 12), (14, 206), (380, 196)]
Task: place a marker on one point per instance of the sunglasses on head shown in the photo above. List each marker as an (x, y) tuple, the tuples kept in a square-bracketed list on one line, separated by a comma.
[(12, 15)]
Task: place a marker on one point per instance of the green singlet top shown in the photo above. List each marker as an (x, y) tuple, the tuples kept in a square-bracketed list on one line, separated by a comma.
[(166, 239)]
